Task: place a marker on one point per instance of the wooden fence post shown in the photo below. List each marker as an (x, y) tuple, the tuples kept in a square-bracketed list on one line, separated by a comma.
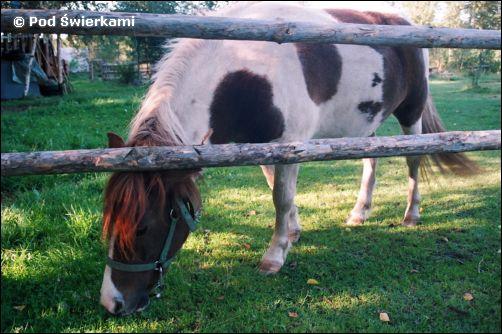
[(27, 77)]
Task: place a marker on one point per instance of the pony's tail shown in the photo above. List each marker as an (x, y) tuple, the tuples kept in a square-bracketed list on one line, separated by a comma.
[(456, 163)]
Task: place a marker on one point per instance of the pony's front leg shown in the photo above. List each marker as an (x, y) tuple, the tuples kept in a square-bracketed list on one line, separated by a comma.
[(294, 225), (286, 217)]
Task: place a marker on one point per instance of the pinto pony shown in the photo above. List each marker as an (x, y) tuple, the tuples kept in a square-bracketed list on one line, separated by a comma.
[(255, 92)]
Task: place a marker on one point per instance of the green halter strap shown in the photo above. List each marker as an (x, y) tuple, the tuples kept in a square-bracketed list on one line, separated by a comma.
[(163, 262)]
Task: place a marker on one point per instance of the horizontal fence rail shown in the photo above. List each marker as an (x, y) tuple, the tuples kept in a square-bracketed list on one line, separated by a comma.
[(198, 156), (166, 25)]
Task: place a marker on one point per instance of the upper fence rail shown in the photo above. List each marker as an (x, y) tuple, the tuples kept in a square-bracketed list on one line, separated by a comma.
[(156, 25)]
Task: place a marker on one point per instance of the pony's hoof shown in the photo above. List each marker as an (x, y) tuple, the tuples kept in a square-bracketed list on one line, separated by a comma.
[(410, 222), (354, 221), (270, 267), (294, 236)]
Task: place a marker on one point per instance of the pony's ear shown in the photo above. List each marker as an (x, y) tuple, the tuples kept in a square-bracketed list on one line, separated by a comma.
[(115, 141)]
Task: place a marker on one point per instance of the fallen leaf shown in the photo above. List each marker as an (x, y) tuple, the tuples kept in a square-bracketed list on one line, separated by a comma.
[(293, 314), (247, 246), (221, 297), (312, 281), (468, 296), (421, 210), (252, 213), (445, 239), (384, 317), (19, 307), (414, 271)]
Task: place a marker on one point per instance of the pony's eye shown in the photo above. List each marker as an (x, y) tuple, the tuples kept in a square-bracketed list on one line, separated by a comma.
[(141, 230)]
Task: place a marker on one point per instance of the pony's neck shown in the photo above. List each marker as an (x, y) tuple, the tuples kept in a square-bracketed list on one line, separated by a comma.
[(166, 105)]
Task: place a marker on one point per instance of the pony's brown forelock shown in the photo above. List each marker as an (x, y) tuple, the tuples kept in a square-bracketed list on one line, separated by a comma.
[(129, 194)]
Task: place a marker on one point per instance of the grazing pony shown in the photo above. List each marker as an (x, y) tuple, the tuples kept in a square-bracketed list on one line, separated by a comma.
[(256, 92)]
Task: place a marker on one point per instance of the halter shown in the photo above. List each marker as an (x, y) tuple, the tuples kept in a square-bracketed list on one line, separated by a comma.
[(163, 262)]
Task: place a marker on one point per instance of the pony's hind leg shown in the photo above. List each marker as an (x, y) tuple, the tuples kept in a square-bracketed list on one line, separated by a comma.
[(412, 213), (293, 225), (284, 192), (362, 209), (268, 171)]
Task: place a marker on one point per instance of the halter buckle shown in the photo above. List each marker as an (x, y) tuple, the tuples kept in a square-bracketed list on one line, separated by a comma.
[(160, 283), (172, 214), (158, 267)]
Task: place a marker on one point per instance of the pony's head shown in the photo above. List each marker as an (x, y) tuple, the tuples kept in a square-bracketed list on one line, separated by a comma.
[(146, 214)]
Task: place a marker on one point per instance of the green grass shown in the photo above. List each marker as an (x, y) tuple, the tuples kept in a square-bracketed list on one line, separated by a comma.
[(52, 257)]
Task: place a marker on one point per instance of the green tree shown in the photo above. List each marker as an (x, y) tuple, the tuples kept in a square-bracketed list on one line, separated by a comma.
[(459, 14), (150, 49), (482, 15), (420, 12)]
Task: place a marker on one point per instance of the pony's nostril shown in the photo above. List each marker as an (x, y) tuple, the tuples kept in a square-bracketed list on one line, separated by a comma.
[(119, 305)]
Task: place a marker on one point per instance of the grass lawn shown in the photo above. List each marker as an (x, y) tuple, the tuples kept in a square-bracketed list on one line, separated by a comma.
[(53, 259)]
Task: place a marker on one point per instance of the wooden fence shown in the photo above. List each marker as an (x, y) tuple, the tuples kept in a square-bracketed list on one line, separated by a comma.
[(161, 158), (198, 156), (110, 71)]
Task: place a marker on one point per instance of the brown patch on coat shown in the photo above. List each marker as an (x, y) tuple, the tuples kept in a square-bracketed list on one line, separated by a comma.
[(370, 108), (405, 88), (322, 68), (243, 110), (367, 17), (376, 80)]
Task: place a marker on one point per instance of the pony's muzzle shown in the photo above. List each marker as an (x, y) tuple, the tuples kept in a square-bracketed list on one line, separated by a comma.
[(119, 305), (114, 305)]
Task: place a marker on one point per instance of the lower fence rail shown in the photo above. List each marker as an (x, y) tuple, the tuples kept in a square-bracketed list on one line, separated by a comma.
[(198, 156)]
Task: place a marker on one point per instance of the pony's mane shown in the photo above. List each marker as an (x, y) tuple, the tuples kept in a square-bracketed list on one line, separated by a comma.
[(157, 102), (129, 194)]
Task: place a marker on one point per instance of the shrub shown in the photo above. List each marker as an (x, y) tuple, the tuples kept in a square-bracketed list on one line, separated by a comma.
[(127, 73)]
